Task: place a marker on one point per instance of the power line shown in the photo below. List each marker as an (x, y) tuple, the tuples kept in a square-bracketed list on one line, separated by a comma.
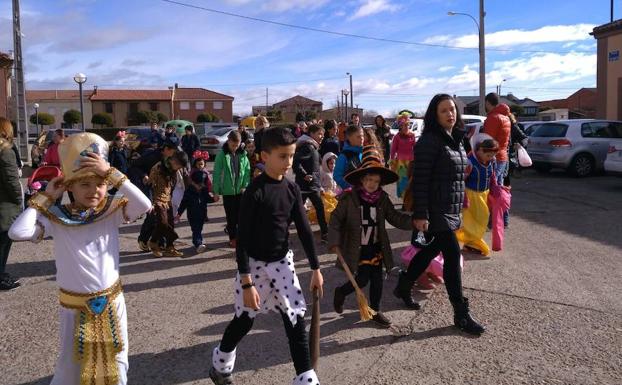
[(352, 35)]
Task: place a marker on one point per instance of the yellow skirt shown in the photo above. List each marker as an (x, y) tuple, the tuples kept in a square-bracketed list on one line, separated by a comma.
[(330, 203), (475, 221)]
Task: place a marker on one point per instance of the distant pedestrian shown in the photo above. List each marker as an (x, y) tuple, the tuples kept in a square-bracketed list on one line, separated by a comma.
[(383, 132), (155, 136), (402, 154), (51, 153), (195, 201), (243, 133), (190, 142), (350, 157), (306, 167), (355, 119), (231, 177), (330, 143), (261, 124), (499, 127)]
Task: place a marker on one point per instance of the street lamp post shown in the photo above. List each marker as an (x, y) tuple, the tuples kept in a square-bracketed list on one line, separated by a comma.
[(351, 92), (36, 106), (346, 92), (499, 87), (482, 53), (80, 78)]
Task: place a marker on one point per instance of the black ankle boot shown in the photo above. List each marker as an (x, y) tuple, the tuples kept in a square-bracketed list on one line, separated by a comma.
[(338, 300), (463, 319), (403, 291)]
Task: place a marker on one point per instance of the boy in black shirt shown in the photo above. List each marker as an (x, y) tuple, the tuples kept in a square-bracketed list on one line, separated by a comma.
[(266, 278)]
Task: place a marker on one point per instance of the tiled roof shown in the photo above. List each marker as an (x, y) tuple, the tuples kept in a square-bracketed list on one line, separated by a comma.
[(132, 95), (199, 94), (298, 100), (605, 28), (56, 94)]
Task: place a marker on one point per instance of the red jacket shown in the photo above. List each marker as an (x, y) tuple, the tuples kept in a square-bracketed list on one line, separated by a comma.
[(51, 155), (498, 126)]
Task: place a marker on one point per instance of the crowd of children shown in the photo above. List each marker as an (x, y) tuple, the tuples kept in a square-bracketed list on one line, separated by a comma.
[(260, 203)]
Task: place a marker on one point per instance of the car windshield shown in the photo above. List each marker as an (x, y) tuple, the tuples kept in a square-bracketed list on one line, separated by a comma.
[(220, 131), (551, 130)]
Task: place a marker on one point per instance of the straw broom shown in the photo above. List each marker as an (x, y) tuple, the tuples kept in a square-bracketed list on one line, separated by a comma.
[(367, 313)]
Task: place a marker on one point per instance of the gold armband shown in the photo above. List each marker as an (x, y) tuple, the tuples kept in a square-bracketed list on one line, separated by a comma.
[(41, 201), (115, 177)]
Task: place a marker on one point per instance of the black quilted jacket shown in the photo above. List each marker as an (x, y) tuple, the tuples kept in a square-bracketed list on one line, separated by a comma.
[(438, 179)]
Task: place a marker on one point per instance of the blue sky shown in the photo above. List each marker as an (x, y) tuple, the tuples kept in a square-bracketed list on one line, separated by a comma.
[(154, 44)]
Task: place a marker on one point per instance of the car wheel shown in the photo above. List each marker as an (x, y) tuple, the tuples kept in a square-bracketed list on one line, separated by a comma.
[(542, 168), (582, 165)]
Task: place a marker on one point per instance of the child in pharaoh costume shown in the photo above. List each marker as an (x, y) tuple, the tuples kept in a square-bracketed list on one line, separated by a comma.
[(93, 319)]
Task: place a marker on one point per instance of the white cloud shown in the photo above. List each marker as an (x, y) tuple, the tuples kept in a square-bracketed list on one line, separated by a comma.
[(371, 7), (445, 68), (547, 34)]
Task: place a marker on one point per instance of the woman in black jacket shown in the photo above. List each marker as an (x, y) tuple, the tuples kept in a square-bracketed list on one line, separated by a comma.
[(383, 133), (306, 167), (438, 194)]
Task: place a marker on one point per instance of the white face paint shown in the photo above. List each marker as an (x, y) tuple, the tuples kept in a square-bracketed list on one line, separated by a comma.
[(366, 229)]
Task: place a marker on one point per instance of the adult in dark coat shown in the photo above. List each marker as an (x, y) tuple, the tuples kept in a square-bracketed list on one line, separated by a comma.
[(438, 195), (306, 167), (190, 143), (10, 200), (383, 133), (331, 140)]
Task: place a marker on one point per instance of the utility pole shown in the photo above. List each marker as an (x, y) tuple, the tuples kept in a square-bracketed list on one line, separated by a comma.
[(342, 114), (21, 120), (351, 92), (612, 11), (266, 101), (482, 59)]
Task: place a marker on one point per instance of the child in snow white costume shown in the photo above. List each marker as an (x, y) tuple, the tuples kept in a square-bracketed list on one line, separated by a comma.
[(266, 278), (93, 319)]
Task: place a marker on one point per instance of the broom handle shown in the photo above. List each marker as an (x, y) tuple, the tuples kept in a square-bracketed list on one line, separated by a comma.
[(348, 272)]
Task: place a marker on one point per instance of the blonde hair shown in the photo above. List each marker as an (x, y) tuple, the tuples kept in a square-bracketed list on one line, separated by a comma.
[(265, 123), (6, 129), (512, 118)]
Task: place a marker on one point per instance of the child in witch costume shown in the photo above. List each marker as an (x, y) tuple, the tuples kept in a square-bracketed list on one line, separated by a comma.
[(357, 230), (266, 278), (93, 319)]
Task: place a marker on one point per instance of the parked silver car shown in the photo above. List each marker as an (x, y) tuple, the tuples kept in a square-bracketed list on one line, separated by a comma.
[(213, 141), (578, 146), (613, 163)]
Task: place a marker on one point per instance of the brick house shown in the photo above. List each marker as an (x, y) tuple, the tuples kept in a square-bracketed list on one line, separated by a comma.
[(298, 104), (6, 63), (581, 104), (124, 104), (191, 102), (57, 102)]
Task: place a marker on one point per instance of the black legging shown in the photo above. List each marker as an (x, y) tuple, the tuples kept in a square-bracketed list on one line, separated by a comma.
[(5, 247), (316, 200), (364, 274), (447, 243), (297, 336), (232, 212)]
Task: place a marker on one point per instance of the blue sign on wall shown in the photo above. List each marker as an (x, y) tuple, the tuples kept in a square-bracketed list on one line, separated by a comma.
[(614, 55)]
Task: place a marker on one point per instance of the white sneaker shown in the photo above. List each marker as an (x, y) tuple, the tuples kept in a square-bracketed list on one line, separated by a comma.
[(201, 249)]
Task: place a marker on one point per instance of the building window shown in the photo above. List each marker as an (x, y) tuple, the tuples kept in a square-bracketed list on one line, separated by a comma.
[(218, 105), (153, 106), (108, 108), (133, 109), (184, 105), (199, 106)]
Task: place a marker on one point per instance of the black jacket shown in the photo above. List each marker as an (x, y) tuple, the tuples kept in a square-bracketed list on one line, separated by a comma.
[(438, 179), (329, 145), (118, 159), (307, 162), (190, 144), (195, 201)]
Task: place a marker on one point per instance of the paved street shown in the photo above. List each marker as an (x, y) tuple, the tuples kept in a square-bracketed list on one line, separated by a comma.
[(551, 301)]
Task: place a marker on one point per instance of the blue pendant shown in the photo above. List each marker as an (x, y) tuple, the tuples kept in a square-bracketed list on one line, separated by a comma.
[(97, 304)]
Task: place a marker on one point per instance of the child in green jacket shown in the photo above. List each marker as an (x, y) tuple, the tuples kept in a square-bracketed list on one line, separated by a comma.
[(230, 178)]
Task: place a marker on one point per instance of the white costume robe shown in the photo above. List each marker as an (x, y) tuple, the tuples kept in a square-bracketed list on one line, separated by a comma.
[(87, 261)]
